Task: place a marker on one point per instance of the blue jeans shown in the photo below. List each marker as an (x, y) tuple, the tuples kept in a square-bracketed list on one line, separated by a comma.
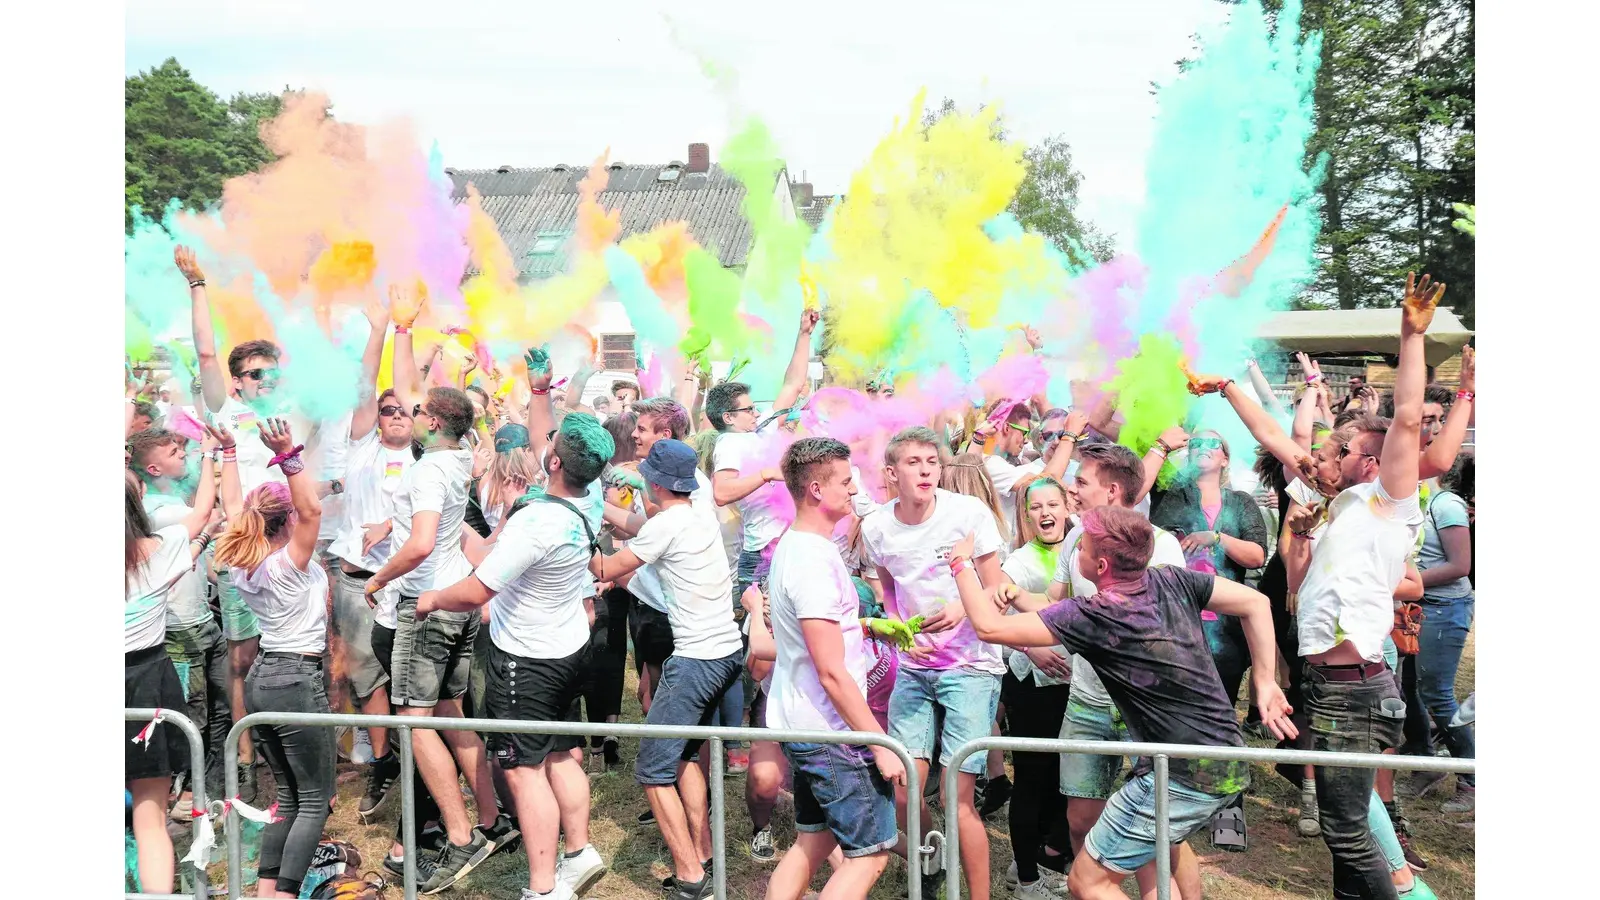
[(969, 700), (837, 788), (689, 694), (1124, 838), (1444, 634)]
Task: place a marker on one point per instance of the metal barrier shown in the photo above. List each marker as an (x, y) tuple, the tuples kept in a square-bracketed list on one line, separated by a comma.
[(197, 777), (1161, 753), (402, 726)]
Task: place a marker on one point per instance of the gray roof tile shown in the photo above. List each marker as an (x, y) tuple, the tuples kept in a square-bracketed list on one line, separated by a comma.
[(818, 210), (528, 203)]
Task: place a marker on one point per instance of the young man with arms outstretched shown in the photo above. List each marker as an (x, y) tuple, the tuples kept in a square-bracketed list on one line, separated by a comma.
[(843, 794), (1142, 633)]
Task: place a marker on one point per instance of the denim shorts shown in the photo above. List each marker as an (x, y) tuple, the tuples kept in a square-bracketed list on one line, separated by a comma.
[(1084, 775), (432, 659), (1124, 838), (689, 693), (754, 565), (352, 621), (238, 622), (838, 788), (969, 700)]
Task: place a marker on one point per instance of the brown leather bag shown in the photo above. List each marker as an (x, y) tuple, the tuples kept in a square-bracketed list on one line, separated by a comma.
[(1407, 628)]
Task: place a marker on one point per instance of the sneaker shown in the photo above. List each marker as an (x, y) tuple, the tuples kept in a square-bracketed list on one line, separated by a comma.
[(683, 890), (1419, 891), (381, 778), (247, 784), (932, 886), (1310, 818), (669, 882), (1420, 784), (738, 761), (762, 850), (611, 752), (1053, 883), (648, 817), (579, 872), (502, 835), (1038, 890), (456, 862), (559, 892), (396, 866), (361, 752), (1413, 858), (432, 839), (183, 810), (1464, 800), (995, 795)]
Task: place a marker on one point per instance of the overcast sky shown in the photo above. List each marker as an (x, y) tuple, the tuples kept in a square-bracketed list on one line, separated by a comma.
[(531, 84)]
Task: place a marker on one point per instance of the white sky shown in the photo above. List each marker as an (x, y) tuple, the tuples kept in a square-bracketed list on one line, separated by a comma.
[(532, 84)]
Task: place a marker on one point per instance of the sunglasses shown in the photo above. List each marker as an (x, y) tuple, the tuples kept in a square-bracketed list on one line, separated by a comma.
[(260, 374), (1022, 428), (418, 411), (391, 410), (742, 409), (1346, 451), (1048, 436), (1201, 445)]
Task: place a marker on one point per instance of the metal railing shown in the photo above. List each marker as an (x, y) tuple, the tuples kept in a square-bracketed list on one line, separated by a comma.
[(1161, 754), (197, 778), (403, 725)]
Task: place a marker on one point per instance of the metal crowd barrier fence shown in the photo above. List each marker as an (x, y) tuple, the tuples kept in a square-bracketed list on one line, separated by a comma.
[(401, 727), (197, 778), (1161, 754)]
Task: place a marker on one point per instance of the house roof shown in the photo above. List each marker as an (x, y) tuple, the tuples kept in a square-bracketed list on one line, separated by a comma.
[(527, 204), (818, 209)]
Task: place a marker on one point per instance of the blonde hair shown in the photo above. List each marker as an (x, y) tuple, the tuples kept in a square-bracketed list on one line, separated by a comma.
[(268, 512), (516, 461), (1024, 487), (965, 475)]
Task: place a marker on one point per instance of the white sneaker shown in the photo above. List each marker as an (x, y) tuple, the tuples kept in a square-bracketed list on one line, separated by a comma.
[(559, 892), (579, 873), (1038, 890), (361, 750)]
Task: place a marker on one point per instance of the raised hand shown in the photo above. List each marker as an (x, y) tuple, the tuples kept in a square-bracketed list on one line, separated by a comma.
[(184, 258), (538, 360), (1077, 420), (1174, 438), (1308, 368), (406, 302), (217, 437), (276, 434), (377, 314), (1201, 385), (1032, 336), (809, 319), (1420, 303), (1469, 370)]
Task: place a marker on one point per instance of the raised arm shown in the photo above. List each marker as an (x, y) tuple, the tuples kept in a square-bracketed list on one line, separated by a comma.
[(405, 304), (1442, 453), (1075, 427), (794, 378), (1262, 426), (1263, 388), (573, 400), (1156, 457), (365, 417), (1400, 462), (212, 385), (541, 417), (276, 435)]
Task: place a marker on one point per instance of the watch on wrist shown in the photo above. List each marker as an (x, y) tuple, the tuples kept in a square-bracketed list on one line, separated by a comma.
[(336, 486)]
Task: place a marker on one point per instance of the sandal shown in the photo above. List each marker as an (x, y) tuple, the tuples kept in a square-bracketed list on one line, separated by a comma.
[(1227, 830)]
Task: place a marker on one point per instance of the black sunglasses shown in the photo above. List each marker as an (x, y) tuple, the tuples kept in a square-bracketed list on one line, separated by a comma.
[(419, 411), (392, 410), (1201, 445), (1346, 451), (1048, 436), (260, 374)]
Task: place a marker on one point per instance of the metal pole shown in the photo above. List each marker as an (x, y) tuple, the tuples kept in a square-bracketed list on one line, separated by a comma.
[(913, 823), (230, 784), (408, 814), (197, 778), (1163, 832), (952, 824), (719, 849)]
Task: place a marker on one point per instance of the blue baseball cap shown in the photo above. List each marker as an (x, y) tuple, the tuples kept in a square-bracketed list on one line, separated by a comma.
[(510, 437), (671, 464)]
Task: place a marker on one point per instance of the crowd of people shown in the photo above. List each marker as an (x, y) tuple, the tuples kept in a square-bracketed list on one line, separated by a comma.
[(442, 550)]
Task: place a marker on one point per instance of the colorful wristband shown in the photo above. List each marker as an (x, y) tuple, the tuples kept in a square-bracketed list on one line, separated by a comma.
[(1466, 395), (958, 565), (402, 329)]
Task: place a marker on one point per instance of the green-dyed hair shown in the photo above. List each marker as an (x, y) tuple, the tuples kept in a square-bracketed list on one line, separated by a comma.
[(584, 447)]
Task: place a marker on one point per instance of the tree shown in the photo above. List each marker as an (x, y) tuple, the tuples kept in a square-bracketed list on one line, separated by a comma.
[(182, 142), (1047, 200)]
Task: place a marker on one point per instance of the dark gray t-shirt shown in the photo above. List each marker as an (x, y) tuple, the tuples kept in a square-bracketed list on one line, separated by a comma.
[(1145, 641)]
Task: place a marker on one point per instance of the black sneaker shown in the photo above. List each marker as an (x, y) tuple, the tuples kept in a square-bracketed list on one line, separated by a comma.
[(503, 835), (648, 817), (247, 784), (381, 777), (995, 795), (611, 751), (432, 839), (683, 890), (396, 866), (455, 863)]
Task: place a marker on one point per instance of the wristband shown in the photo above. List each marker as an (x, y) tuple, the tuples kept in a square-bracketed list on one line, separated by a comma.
[(538, 393), (198, 282), (1161, 447), (402, 329), (1465, 395), (285, 457), (1075, 437), (958, 565), (1300, 534), (1223, 387)]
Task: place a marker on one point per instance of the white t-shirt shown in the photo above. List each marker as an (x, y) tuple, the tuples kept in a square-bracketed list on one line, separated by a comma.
[(916, 557), (742, 453), (539, 571), (1005, 477), (1031, 567), (862, 502), (1356, 564), (372, 478), (685, 545), (809, 581), (253, 455), (333, 444), (646, 584), (144, 612), (186, 602), (435, 483), (1086, 686), (291, 603)]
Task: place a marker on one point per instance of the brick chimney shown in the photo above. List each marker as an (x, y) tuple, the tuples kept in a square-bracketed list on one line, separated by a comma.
[(699, 158), (802, 193)]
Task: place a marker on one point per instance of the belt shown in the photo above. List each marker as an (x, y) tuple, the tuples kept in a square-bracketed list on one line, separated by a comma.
[(297, 657), (354, 572), (1350, 673)]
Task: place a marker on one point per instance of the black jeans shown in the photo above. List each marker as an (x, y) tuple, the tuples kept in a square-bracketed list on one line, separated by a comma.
[(1353, 717), (202, 659), (301, 759), (608, 656), (1038, 809)]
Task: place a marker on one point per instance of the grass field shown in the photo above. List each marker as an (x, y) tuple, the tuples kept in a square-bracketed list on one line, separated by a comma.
[(1279, 863)]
